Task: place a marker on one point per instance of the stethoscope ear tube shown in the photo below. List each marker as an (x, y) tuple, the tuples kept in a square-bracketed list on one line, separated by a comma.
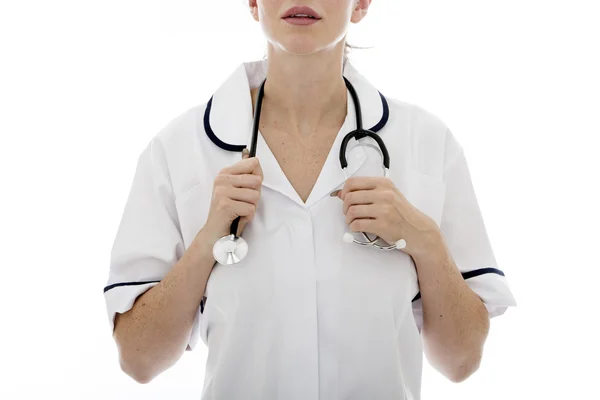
[(359, 134), (232, 249)]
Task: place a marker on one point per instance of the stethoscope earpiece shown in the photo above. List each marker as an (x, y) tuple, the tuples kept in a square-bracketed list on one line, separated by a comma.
[(348, 238), (400, 244)]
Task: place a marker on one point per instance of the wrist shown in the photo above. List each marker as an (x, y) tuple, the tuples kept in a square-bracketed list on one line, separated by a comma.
[(203, 246), (432, 248)]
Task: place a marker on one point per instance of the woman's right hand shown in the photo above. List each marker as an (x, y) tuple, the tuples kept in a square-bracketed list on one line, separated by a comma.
[(236, 191)]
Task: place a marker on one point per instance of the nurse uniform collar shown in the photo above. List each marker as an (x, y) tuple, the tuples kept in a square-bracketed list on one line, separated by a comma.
[(232, 249), (233, 97)]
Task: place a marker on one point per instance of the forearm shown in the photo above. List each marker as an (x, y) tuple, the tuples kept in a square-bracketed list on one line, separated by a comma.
[(153, 334), (455, 320)]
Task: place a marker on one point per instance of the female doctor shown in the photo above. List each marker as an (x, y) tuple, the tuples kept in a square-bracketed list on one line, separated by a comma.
[(299, 301)]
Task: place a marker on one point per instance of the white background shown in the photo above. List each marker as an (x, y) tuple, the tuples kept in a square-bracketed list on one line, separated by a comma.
[(84, 85)]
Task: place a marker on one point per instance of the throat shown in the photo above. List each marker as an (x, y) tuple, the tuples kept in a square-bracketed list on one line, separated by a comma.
[(300, 124)]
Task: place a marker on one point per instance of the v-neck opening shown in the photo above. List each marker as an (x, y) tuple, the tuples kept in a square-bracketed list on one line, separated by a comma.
[(329, 174)]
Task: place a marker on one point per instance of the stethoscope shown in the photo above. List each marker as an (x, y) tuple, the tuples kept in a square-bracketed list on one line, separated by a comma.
[(231, 249)]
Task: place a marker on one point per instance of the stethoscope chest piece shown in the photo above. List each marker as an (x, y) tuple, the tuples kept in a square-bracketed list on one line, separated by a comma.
[(230, 250)]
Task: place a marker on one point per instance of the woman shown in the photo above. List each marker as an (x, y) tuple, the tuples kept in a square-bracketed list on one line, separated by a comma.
[(304, 315)]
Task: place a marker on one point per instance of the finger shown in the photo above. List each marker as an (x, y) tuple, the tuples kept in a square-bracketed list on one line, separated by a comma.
[(241, 181), (363, 225), (245, 166), (241, 208), (257, 168), (243, 194), (359, 197), (246, 154), (241, 226), (361, 211), (359, 183)]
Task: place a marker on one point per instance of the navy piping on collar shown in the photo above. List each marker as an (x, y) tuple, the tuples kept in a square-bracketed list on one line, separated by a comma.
[(213, 137), (472, 274), (239, 148)]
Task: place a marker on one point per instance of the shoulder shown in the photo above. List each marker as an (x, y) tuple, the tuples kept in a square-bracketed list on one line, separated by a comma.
[(181, 130), (418, 119), (178, 135), (431, 139), (180, 150)]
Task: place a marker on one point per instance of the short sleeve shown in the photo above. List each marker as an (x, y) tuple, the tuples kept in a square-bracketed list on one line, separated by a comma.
[(464, 231), (148, 242)]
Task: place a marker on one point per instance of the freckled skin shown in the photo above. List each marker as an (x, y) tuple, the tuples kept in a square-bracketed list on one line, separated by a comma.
[(301, 157)]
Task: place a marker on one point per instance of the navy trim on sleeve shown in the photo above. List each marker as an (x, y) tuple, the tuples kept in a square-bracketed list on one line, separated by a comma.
[(114, 285), (472, 274)]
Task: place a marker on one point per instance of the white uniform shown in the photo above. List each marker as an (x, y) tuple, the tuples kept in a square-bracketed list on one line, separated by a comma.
[(305, 315)]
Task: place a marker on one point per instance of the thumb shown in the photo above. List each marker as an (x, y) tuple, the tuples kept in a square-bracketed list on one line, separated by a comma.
[(242, 225), (245, 153)]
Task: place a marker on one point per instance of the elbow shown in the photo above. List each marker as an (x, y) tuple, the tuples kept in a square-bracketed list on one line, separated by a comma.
[(143, 365), (137, 371), (461, 371)]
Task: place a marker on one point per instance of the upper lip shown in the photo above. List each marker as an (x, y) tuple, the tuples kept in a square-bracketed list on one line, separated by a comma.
[(301, 10)]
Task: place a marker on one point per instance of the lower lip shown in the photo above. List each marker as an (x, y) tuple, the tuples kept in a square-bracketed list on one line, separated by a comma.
[(301, 21)]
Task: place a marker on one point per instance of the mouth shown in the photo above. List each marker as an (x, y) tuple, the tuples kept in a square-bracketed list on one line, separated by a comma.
[(301, 12)]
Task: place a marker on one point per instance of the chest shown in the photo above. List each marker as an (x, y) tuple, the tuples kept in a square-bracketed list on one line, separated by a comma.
[(300, 159)]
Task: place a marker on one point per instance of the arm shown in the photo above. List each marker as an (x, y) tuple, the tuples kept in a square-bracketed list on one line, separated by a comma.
[(455, 320), (154, 333)]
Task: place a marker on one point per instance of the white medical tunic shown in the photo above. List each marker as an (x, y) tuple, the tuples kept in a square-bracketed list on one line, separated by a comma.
[(304, 316)]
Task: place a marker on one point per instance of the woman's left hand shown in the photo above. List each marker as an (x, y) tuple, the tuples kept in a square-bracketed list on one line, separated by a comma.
[(374, 205)]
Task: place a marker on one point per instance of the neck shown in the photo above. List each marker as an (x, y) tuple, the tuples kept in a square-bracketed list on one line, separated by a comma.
[(304, 94)]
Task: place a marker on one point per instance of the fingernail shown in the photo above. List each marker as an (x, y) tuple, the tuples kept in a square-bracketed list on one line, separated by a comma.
[(245, 152), (335, 193)]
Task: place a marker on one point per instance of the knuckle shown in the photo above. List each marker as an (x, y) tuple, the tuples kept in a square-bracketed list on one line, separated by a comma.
[(244, 211), (218, 191), (224, 171), (351, 211), (349, 197), (388, 210), (219, 179), (222, 204)]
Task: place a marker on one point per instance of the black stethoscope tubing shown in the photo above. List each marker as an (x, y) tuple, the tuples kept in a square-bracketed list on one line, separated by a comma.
[(358, 133)]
